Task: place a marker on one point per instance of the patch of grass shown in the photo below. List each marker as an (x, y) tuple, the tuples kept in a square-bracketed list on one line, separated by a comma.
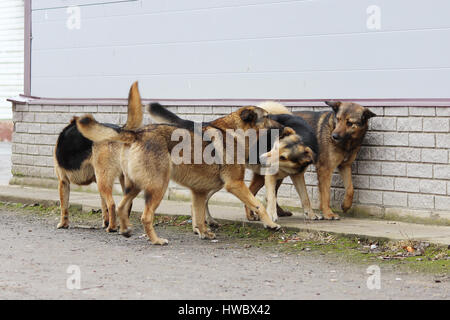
[(409, 255)]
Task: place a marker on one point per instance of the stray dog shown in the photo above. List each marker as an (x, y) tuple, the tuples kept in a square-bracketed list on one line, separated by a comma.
[(340, 134), (147, 163), (294, 150), (80, 161)]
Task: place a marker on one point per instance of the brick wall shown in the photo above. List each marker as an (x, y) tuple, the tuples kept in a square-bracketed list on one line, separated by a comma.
[(403, 167)]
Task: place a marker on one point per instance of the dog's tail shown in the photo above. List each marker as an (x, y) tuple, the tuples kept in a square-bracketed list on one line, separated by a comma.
[(273, 107), (99, 132), (135, 113), (161, 115)]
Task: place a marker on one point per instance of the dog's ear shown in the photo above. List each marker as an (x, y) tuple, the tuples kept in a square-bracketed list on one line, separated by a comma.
[(248, 115), (287, 131), (367, 114), (334, 105)]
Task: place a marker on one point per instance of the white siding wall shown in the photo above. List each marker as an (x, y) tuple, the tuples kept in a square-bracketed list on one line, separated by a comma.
[(305, 49), (11, 53)]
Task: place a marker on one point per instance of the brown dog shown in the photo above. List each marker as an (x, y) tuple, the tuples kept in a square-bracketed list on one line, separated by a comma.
[(147, 160), (79, 161), (340, 134)]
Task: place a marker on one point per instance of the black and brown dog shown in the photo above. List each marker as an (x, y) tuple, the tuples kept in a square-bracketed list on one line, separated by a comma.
[(148, 164), (340, 133), (80, 161)]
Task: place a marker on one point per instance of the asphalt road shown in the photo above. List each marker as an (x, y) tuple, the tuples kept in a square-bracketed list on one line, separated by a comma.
[(5, 162), (35, 258)]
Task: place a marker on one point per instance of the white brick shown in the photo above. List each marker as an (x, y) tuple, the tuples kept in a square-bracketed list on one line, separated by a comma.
[(383, 124), (221, 110), (364, 153), (442, 203), (62, 108), (396, 139), (395, 199), (20, 127), (28, 117), (433, 186), (382, 153), (21, 107), (396, 111), (90, 109), (393, 169), (373, 138), (381, 183), (48, 108), (32, 149), (186, 109), (74, 109), (442, 171), (361, 182), (203, 109), (435, 125), (421, 140), (105, 109), (408, 154), (34, 128), (419, 170), (443, 140), (366, 167), (409, 124), (421, 201), (434, 156), (443, 111), (34, 108), (370, 197), (422, 111)]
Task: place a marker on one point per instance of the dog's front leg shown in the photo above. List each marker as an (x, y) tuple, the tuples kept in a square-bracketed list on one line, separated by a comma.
[(324, 177), (255, 185), (240, 190), (198, 215), (270, 183), (299, 183), (346, 175)]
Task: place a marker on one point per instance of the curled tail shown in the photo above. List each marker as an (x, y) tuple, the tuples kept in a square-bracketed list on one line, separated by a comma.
[(99, 132), (161, 115), (273, 107), (135, 114)]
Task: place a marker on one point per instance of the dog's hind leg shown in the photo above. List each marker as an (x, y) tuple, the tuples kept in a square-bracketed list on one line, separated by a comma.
[(240, 190), (153, 198), (105, 185), (64, 192), (105, 214), (280, 211), (131, 192), (255, 185), (199, 200), (346, 175), (209, 219), (299, 182)]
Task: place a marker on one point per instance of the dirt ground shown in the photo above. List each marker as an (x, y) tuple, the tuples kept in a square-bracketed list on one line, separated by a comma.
[(35, 259)]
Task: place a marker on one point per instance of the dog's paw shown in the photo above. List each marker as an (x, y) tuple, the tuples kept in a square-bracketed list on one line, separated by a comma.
[(160, 241), (272, 226), (126, 233), (283, 213), (63, 225), (111, 229), (345, 206), (207, 235), (331, 216), (311, 215), (212, 223)]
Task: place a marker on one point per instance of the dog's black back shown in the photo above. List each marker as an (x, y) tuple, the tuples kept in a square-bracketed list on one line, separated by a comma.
[(72, 148), (301, 128)]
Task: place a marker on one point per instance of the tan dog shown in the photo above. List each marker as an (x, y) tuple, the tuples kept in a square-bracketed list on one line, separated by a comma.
[(79, 161), (340, 134), (147, 162)]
